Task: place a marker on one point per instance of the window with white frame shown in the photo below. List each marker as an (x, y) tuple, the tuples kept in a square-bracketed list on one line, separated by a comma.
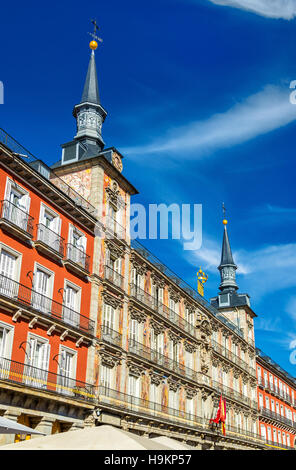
[(72, 299), (10, 266), (134, 330), (6, 341), (153, 393), (76, 245), (189, 406), (109, 316), (274, 435), (173, 399), (134, 386), (37, 361), (17, 195), (279, 437), (49, 227), (106, 374), (42, 287), (67, 370), (263, 431), (269, 433)]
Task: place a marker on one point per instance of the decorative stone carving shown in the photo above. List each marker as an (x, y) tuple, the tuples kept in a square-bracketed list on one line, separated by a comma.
[(173, 337), (155, 378), (157, 327), (174, 295), (135, 369), (137, 315), (236, 373), (115, 302), (157, 281), (108, 360), (190, 392), (115, 251), (189, 347), (141, 268), (173, 385), (114, 196), (203, 323)]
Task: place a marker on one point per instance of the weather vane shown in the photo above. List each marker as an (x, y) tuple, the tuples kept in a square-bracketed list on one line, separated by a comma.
[(93, 44), (224, 212)]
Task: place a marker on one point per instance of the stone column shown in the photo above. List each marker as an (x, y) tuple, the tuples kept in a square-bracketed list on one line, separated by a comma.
[(44, 426)]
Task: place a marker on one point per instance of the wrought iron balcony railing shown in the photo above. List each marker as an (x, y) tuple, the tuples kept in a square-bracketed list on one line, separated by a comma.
[(17, 217), (162, 309), (44, 170), (27, 375), (231, 393), (32, 299), (110, 336), (114, 277), (223, 351), (110, 398), (78, 256), (276, 416), (113, 228), (51, 239), (125, 402), (157, 358), (138, 247)]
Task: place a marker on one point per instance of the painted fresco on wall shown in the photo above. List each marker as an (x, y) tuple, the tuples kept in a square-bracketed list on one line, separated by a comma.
[(80, 181)]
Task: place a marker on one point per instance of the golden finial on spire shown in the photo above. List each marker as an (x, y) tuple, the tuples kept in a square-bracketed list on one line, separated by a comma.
[(93, 44), (201, 280), (225, 221)]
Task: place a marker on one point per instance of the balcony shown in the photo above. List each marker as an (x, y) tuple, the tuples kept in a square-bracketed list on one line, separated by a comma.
[(114, 277), (49, 242), (158, 359), (164, 311), (16, 221), (77, 260), (265, 412), (32, 377), (228, 354), (114, 229), (27, 298), (127, 403), (110, 336), (231, 393)]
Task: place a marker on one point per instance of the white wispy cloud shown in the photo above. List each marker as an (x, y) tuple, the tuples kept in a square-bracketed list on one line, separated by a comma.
[(285, 9), (259, 114), (271, 267)]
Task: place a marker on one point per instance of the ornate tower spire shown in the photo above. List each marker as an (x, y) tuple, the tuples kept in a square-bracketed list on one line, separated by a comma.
[(89, 113), (227, 266)]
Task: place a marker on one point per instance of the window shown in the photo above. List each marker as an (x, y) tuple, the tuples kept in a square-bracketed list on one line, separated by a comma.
[(189, 406), (6, 340), (109, 317), (67, 370), (37, 360), (17, 195), (76, 245), (134, 330), (274, 435), (263, 431), (153, 393), (134, 386), (173, 399), (269, 433), (106, 376), (72, 295), (49, 227), (10, 266), (42, 287)]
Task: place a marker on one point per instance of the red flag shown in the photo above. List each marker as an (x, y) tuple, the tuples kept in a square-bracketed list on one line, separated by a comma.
[(221, 415)]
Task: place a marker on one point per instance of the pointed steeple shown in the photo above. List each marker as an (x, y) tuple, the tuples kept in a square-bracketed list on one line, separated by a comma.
[(91, 89), (89, 113), (227, 266)]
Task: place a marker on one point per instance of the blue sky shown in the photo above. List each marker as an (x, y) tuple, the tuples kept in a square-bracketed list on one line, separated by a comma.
[(197, 93)]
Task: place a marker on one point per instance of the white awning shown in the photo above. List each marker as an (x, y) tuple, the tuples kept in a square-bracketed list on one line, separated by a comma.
[(8, 426)]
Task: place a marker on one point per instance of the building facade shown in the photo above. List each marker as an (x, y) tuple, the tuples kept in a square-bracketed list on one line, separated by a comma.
[(93, 327), (276, 402), (46, 257)]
